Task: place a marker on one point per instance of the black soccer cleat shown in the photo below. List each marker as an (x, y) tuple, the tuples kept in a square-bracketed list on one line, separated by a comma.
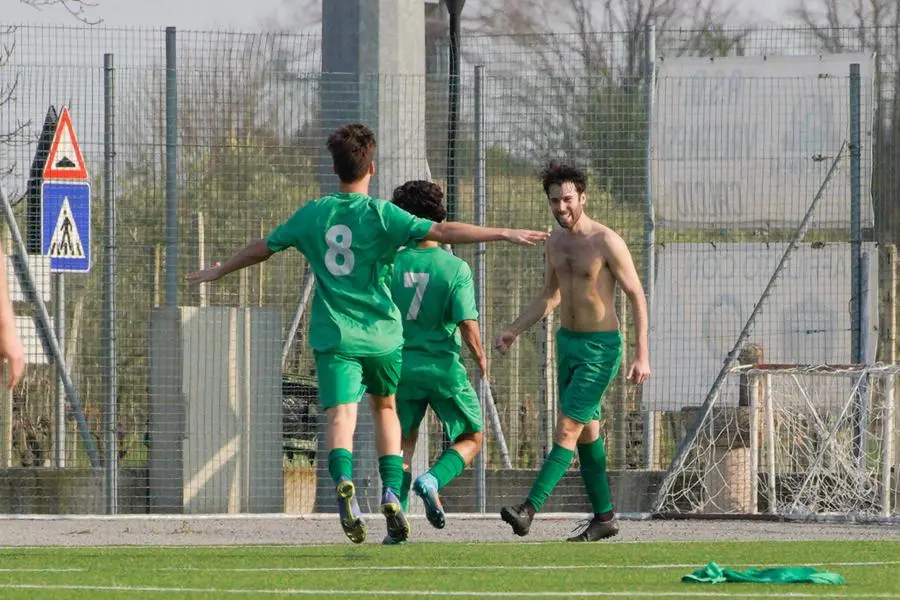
[(519, 517), (596, 530)]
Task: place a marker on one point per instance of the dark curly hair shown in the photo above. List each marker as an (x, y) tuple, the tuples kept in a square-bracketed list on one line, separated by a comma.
[(560, 173), (422, 199), (352, 149)]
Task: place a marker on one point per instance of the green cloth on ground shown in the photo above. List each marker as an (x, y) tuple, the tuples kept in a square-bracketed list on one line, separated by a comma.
[(713, 573)]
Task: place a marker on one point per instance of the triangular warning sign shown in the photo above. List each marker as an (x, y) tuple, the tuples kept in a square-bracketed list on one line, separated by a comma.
[(66, 242), (65, 160)]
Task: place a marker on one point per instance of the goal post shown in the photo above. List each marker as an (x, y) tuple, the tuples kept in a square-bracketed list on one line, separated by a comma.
[(814, 441)]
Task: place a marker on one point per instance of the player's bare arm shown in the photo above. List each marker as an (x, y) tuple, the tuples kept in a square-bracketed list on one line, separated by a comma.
[(251, 254), (463, 233), (621, 265), (471, 335), (10, 345), (545, 302)]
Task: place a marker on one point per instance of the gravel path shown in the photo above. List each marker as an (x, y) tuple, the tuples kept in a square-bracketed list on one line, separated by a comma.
[(319, 529)]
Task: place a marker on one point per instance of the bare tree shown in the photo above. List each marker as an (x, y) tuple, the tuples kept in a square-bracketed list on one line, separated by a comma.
[(298, 16), (80, 9), (18, 134), (575, 68), (873, 26)]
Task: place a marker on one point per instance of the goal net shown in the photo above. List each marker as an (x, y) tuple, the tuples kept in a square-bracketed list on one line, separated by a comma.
[(796, 441)]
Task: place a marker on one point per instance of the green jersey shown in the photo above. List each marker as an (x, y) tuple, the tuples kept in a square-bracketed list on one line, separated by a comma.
[(434, 292), (350, 241)]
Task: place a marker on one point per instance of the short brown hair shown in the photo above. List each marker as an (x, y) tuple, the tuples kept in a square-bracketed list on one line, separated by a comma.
[(352, 149)]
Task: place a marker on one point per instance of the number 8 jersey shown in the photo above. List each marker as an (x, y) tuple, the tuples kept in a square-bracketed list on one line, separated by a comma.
[(350, 241)]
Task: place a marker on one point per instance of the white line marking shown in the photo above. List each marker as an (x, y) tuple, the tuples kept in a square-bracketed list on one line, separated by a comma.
[(195, 545), (13, 570), (500, 567), (695, 593)]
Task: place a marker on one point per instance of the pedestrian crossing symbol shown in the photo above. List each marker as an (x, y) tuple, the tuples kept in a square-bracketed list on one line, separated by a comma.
[(66, 226), (66, 243)]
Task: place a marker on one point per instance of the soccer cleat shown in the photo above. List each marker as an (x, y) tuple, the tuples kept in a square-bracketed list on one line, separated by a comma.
[(595, 530), (397, 523), (425, 488), (348, 509), (519, 517)]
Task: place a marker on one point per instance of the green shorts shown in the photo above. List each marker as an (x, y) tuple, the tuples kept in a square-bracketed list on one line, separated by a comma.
[(449, 394), (344, 379), (587, 363)]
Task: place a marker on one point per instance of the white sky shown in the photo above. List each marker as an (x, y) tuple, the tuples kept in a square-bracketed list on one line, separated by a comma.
[(225, 14)]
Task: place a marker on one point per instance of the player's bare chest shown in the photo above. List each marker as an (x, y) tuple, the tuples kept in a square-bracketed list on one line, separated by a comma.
[(580, 260)]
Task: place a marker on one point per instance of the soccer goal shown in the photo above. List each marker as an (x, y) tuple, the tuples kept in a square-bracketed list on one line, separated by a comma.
[(796, 441)]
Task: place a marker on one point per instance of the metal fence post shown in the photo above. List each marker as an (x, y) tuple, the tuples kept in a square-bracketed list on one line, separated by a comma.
[(110, 428), (650, 424), (171, 168), (480, 268)]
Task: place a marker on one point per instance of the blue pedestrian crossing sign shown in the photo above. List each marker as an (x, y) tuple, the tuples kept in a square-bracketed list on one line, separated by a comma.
[(66, 225)]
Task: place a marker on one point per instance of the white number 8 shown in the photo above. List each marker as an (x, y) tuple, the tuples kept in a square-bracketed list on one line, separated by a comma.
[(339, 238)]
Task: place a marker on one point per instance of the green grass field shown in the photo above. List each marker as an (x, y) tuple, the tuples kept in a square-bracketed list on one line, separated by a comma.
[(439, 570)]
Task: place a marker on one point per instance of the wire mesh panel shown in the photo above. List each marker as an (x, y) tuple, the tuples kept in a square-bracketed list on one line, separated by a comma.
[(215, 387)]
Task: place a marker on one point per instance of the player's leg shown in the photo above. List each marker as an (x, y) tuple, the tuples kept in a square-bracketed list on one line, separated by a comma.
[(461, 418), (602, 354), (569, 424), (592, 458), (556, 463), (340, 389), (408, 447), (381, 374), (412, 404)]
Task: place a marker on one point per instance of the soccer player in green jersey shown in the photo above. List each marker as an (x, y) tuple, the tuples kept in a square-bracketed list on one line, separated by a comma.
[(434, 291), (349, 240), (585, 262)]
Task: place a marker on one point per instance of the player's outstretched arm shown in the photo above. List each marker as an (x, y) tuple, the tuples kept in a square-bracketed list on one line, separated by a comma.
[(463, 233), (540, 307), (471, 335), (10, 345), (251, 254), (622, 267)]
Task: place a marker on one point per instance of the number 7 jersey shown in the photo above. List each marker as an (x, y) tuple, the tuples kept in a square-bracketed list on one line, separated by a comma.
[(350, 242), (434, 292)]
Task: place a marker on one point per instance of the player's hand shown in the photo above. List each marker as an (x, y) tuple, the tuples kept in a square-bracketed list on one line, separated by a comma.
[(504, 340), (525, 237), (11, 349), (210, 274), (483, 367), (639, 371)]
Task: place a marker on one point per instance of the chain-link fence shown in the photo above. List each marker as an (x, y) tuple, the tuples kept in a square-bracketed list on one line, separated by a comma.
[(706, 174)]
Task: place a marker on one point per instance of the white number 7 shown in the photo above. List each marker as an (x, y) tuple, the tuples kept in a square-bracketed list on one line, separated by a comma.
[(420, 281)]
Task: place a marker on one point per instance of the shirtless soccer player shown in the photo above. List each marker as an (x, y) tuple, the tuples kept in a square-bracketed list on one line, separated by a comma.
[(585, 260), (350, 240), (436, 297)]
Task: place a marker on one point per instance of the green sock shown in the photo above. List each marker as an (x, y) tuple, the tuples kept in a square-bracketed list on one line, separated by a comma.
[(555, 466), (404, 490), (340, 464), (447, 467), (593, 471), (390, 467)]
